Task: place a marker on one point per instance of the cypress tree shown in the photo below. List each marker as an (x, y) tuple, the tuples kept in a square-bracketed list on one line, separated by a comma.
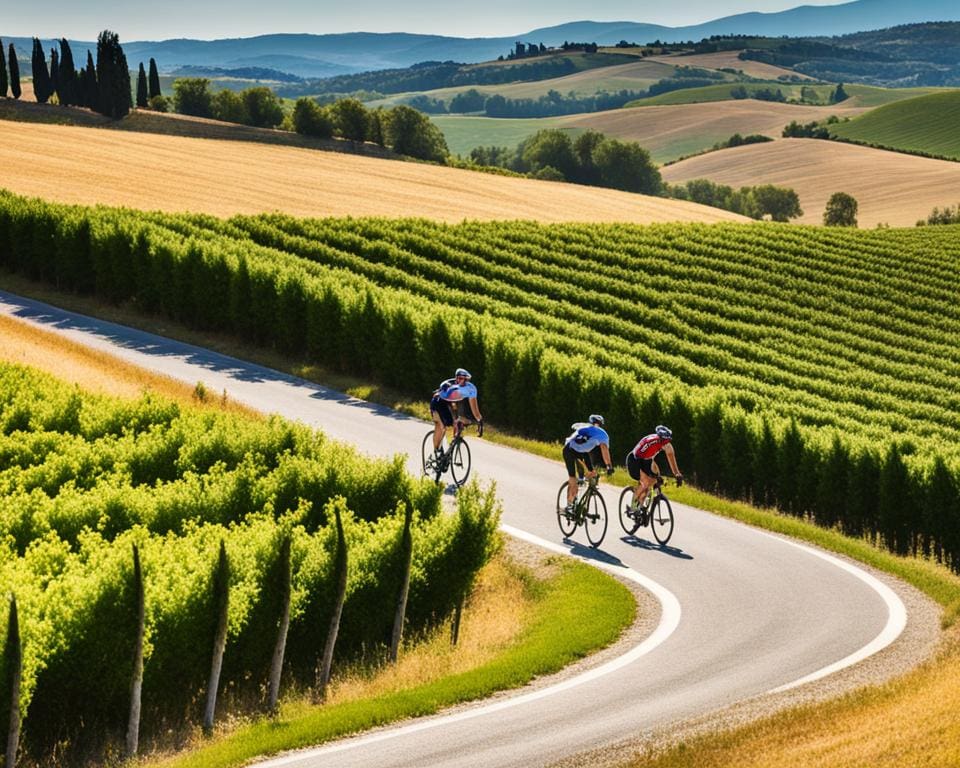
[(41, 76), (113, 77), (55, 73), (154, 80), (14, 73), (4, 83), (68, 76), (142, 87), (91, 86)]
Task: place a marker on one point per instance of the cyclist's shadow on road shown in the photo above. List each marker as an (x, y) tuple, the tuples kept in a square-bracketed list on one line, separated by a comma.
[(636, 541), (589, 553)]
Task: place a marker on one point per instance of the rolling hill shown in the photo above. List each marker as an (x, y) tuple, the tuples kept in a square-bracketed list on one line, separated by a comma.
[(890, 187), (667, 132), (927, 125), (173, 173)]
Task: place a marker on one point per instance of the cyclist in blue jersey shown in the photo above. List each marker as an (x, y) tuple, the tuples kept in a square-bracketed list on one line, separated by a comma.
[(447, 407), (589, 444)]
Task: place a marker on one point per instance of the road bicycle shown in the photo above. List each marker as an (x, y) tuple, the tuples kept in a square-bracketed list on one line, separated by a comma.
[(589, 510), (455, 457), (655, 511)]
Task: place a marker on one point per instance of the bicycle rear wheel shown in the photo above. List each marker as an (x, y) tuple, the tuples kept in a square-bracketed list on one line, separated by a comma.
[(628, 518), (595, 519), (460, 461), (430, 465), (567, 523), (661, 519)]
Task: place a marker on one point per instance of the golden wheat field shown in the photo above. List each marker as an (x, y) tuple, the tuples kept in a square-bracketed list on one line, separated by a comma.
[(890, 187), (171, 173)]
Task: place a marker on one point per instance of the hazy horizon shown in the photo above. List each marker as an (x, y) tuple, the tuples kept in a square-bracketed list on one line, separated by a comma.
[(246, 18)]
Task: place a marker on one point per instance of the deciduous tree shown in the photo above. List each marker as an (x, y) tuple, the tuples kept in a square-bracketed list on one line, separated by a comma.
[(263, 107), (351, 119), (310, 119), (841, 210), (626, 165), (412, 133), (191, 96)]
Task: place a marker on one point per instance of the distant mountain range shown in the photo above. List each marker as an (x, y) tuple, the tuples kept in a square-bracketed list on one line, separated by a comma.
[(328, 55)]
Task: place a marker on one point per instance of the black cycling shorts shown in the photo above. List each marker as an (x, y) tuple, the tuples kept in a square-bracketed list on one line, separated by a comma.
[(590, 459), (635, 466), (441, 407)]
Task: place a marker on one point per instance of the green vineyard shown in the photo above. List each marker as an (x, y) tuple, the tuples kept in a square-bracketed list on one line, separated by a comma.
[(812, 369), (98, 496)]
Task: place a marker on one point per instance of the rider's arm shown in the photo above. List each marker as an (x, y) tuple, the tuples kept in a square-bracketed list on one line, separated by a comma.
[(605, 452), (475, 409), (672, 459)]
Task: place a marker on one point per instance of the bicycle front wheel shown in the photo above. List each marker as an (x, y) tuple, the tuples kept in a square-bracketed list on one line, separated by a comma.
[(567, 523), (628, 518), (661, 519), (595, 519), (460, 461)]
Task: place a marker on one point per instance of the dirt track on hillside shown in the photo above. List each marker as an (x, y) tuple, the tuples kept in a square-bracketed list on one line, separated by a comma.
[(729, 60), (890, 187), (89, 165)]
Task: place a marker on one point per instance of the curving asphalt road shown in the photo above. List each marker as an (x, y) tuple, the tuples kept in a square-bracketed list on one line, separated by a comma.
[(744, 612)]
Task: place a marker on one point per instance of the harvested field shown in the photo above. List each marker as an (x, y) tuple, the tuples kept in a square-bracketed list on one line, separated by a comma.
[(172, 173), (673, 131), (890, 187), (729, 60)]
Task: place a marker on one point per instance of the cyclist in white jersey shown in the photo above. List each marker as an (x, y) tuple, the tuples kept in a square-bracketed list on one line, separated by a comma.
[(454, 392), (588, 444)]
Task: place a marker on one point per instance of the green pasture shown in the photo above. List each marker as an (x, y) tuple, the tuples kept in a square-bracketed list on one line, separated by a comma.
[(464, 133), (925, 124), (634, 76)]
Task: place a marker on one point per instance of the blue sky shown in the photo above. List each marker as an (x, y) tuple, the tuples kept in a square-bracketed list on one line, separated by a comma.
[(137, 20)]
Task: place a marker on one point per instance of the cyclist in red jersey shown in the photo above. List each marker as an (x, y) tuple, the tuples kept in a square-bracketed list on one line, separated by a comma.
[(641, 464)]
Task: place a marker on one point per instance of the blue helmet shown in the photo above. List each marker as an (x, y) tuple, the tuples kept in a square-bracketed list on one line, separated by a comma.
[(664, 432), (596, 419)]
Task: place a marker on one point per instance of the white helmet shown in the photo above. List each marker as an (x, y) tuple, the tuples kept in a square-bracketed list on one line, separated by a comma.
[(463, 372), (596, 418), (664, 432)]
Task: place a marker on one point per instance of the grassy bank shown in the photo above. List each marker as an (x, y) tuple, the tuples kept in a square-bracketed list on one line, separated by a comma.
[(559, 618)]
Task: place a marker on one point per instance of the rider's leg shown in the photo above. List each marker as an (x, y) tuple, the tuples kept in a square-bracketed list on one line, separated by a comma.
[(570, 459), (442, 418)]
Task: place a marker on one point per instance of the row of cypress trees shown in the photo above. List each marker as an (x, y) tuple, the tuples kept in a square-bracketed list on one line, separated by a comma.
[(103, 87)]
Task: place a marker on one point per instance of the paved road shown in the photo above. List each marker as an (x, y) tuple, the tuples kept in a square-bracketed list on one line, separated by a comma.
[(744, 612)]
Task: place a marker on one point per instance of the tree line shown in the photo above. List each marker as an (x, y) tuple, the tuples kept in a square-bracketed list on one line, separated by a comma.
[(103, 86)]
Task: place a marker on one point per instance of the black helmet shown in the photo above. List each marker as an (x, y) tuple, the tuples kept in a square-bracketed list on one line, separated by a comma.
[(596, 418), (462, 372), (664, 432)]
